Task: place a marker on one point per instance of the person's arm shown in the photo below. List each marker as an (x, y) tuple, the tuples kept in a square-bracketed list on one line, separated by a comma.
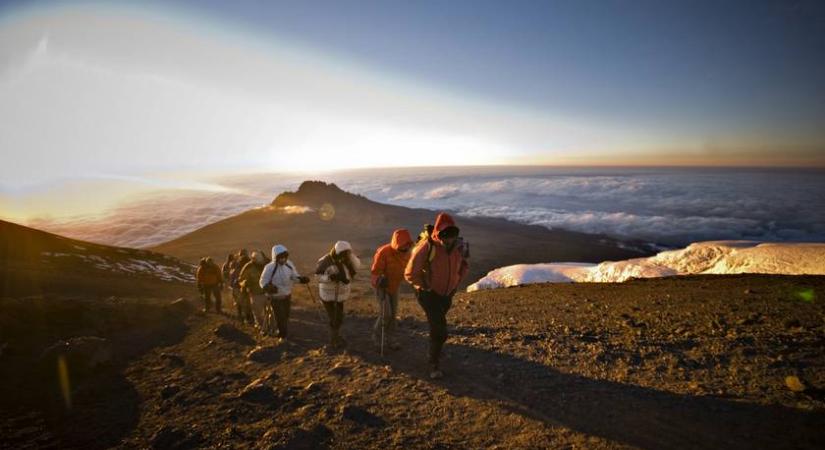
[(321, 269), (379, 266), (412, 273), (266, 275), (295, 275), (465, 267)]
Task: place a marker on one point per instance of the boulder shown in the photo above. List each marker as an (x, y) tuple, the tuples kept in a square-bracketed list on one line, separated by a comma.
[(85, 352), (258, 392), (180, 307), (264, 354), (361, 416)]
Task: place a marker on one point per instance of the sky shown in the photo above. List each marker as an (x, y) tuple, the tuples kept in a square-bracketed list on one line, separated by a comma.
[(99, 100)]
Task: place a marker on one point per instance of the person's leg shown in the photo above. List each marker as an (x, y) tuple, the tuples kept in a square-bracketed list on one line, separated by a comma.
[(339, 314), (246, 302), (379, 321), (236, 298), (216, 291), (391, 324), (433, 306), (282, 307), (329, 307), (258, 304), (204, 300)]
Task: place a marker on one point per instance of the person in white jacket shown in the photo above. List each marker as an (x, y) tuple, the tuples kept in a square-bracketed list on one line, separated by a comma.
[(276, 281), (335, 272)]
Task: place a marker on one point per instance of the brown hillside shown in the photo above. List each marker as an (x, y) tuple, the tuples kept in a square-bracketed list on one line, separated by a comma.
[(368, 224), (34, 262)]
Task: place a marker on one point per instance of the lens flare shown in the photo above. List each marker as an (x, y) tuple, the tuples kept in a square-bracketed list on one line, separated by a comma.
[(63, 379), (327, 212), (806, 295)]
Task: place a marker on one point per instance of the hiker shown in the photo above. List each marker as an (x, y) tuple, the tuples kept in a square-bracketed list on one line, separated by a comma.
[(276, 281), (242, 304), (436, 267), (210, 283), (250, 289), (226, 268), (388, 266), (336, 271)]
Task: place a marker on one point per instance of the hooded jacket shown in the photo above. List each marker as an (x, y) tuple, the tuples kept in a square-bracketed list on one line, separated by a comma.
[(444, 273), (281, 276), (390, 262), (334, 263)]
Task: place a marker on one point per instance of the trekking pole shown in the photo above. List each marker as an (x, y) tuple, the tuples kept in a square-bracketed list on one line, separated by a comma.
[(383, 324), (311, 296)]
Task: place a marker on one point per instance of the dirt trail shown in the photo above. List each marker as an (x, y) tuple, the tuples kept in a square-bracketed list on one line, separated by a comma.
[(696, 362), (500, 390)]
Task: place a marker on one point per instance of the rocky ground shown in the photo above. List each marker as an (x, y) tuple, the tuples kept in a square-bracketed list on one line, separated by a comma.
[(694, 362)]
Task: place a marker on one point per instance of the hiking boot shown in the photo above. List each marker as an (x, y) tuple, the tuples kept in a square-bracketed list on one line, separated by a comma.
[(435, 372)]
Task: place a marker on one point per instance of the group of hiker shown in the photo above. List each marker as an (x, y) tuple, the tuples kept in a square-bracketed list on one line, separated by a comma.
[(434, 266)]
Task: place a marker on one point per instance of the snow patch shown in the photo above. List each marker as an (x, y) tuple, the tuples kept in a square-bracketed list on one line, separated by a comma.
[(712, 257)]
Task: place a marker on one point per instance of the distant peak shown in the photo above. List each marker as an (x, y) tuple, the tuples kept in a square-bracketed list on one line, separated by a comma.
[(316, 193), (311, 187)]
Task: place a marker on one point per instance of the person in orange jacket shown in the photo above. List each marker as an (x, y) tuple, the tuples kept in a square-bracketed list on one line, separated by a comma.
[(436, 268), (210, 283), (388, 267)]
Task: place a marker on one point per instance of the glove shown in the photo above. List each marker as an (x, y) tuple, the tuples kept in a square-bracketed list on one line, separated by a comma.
[(271, 289), (383, 282), (335, 277), (303, 280)]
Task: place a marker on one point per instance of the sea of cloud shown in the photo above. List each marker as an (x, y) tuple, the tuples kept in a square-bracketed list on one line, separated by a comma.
[(670, 207)]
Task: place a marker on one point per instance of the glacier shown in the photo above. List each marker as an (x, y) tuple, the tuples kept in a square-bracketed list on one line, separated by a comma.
[(711, 257)]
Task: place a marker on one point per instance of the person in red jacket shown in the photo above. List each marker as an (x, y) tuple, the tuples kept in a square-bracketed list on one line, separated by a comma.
[(210, 282), (388, 267), (435, 269)]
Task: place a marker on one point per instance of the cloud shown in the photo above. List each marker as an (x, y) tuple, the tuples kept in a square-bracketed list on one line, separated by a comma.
[(673, 208)]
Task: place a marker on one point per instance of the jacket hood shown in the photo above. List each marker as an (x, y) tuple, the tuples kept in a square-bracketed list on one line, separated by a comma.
[(341, 247), (400, 238), (277, 250), (442, 222)]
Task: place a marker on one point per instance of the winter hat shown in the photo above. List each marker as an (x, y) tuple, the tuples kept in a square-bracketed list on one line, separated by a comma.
[(341, 247)]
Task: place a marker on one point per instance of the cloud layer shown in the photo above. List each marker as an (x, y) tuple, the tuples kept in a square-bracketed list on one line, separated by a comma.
[(669, 207)]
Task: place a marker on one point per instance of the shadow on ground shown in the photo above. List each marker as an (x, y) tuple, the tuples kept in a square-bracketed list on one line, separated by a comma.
[(89, 407), (623, 413)]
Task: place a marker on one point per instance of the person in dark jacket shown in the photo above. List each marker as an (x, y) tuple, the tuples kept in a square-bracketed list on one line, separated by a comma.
[(239, 295), (435, 270), (210, 283)]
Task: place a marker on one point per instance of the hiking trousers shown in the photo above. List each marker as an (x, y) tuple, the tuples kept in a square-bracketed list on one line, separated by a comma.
[(335, 313), (282, 307), (208, 291), (387, 311), (435, 307), (258, 302), (242, 304)]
